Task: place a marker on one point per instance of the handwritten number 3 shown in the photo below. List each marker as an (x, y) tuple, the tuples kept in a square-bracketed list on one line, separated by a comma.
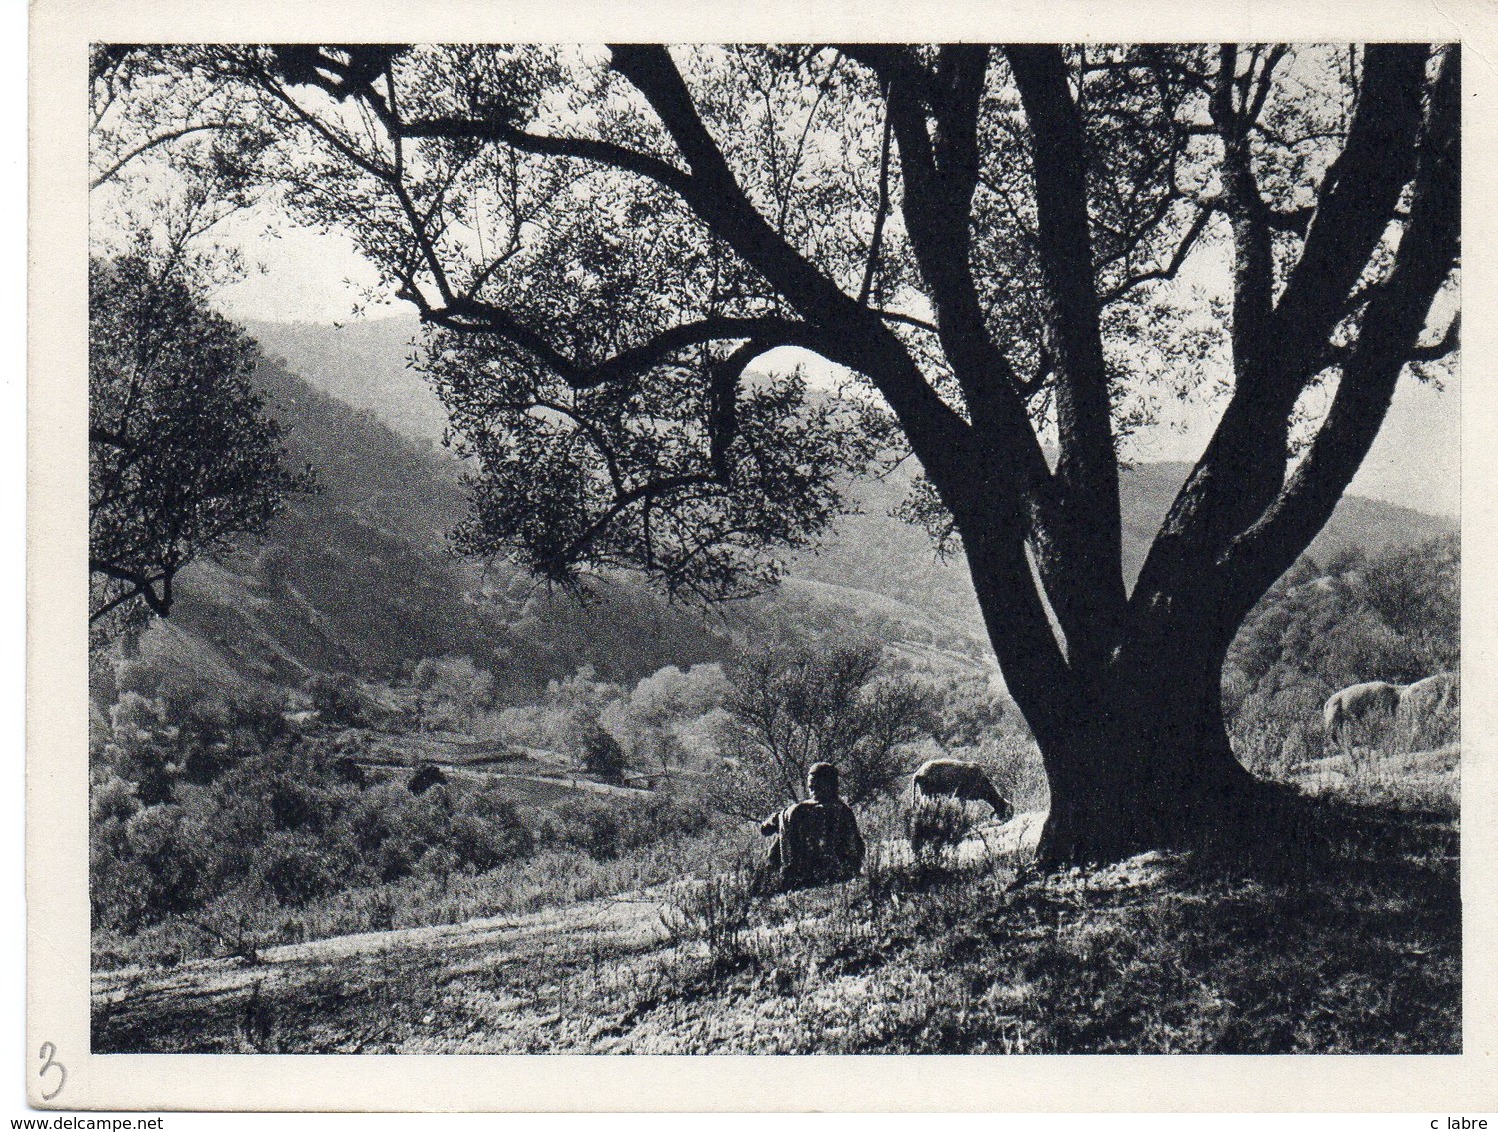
[(48, 1051)]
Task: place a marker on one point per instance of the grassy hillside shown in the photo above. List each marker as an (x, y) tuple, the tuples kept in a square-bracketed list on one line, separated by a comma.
[(1347, 942), (364, 364), (357, 579), (874, 552), (350, 579)]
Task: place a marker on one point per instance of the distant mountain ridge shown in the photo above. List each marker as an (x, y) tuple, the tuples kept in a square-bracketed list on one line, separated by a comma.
[(358, 578), (363, 363), (872, 551)]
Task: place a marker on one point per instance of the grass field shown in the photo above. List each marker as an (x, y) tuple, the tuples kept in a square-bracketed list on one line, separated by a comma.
[(1349, 942)]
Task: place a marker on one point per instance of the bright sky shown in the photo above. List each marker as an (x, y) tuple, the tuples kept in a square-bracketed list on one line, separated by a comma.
[(1416, 461)]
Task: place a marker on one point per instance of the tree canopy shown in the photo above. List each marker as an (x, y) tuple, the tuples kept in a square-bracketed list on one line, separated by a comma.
[(993, 242), (182, 457), (789, 708)]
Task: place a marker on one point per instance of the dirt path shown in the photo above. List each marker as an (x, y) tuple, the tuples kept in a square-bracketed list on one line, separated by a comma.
[(380, 989), (499, 983), (630, 918)]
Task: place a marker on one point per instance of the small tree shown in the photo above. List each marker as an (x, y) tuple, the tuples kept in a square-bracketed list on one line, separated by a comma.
[(453, 690), (183, 459), (651, 717), (600, 752), (338, 699), (791, 707)]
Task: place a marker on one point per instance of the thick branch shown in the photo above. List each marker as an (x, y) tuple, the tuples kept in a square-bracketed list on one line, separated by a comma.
[(1395, 320), (1448, 343), (1081, 554), (1253, 271), (467, 314), (723, 389), (848, 334), (1357, 200), (937, 207), (893, 63), (160, 604), (586, 149)]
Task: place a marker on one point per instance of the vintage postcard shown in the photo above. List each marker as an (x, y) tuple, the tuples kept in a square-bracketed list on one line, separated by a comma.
[(581, 556)]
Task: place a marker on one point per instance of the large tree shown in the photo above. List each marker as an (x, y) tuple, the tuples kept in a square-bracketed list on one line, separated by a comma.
[(992, 240)]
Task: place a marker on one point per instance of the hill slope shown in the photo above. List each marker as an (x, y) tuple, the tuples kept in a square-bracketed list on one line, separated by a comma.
[(357, 578), (874, 552)]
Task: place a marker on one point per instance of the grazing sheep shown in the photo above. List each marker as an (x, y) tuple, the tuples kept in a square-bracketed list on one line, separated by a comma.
[(1431, 697), (1358, 706), (965, 781), (1376, 701)]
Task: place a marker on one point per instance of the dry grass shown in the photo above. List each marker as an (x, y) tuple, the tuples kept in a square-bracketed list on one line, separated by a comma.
[(1348, 941), (551, 878), (1354, 947)]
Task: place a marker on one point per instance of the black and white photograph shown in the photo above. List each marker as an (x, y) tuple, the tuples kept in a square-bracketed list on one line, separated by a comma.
[(774, 548)]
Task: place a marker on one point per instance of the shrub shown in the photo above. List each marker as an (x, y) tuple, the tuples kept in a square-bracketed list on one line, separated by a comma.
[(604, 829), (656, 718), (298, 867), (394, 828), (602, 756), (936, 827), (486, 830), (453, 691), (1392, 615), (793, 706), (166, 863), (338, 699)]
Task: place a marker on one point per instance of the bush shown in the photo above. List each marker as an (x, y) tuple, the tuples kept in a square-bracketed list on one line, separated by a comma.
[(936, 827), (1392, 615), (605, 829), (338, 699), (454, 691), (299, 867), (486, 830), (394, 828), (790, 707), (165, 866), (602, 756), (715, 911)]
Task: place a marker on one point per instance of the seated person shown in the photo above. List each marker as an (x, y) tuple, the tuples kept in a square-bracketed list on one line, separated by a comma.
[(816, 841)]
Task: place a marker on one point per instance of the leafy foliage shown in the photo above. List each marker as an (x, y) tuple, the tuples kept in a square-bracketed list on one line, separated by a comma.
[(453, 690), (602, 756), (217, 808), (602, 478), (793, 706), (655, 719), (182, 456)]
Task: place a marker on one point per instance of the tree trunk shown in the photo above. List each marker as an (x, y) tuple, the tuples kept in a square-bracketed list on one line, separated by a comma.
[(1147, 764), (1136, 751)]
